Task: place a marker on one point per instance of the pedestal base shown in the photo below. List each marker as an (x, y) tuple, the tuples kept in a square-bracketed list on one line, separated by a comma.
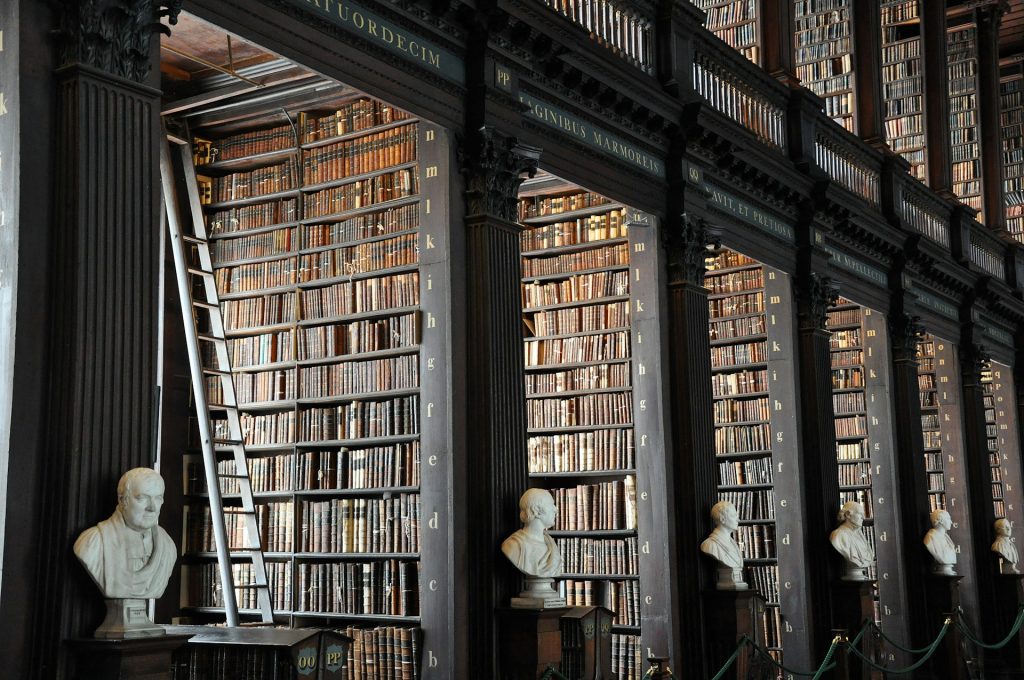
[(539, 594), (854, 604), (126, 620), (531, 640), (730, 614), (140, 659)]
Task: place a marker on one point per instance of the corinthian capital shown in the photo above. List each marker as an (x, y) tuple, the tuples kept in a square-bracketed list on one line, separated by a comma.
[(494, 166)]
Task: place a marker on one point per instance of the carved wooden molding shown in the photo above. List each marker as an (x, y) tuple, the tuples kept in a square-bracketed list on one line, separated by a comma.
[(819, 292), (686, 244), (494, 166)]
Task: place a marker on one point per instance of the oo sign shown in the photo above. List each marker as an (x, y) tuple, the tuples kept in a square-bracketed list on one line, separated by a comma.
[(321, 656)]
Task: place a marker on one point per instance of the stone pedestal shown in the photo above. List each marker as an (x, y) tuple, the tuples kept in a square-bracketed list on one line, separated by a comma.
[(127, 619), (531, 640), (729, 615), (146, 658), (853, 605), (540, 593)]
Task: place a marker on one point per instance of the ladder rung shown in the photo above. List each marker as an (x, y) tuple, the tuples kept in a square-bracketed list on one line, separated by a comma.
[(200, 272), (230, 476), (250, 586), (205, 305), (220, 406), (228, 442), (216, 371), (206, 337), (192, 239)]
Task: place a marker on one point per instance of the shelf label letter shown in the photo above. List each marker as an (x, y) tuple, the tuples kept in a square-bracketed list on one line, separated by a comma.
[(434, 522)]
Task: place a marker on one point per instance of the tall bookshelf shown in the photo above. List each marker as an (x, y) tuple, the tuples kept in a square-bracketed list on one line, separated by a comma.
[(903, 82), (865, 443), (322, 237), (1003, 440), (992, 436), (932, 426), (1011, 120), (824, 57), (578, 356), (964, 130), (750, 328), (737, 22)]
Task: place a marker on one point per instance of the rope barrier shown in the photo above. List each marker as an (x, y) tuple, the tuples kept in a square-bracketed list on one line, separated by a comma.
[(908, 650), (999, 645), (913, 667), (732, 659), (552, 672)]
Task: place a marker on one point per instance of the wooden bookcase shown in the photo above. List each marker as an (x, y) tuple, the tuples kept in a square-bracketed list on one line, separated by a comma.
[(1003, 442), (737, 22), (903, 82), (932, 427), (824, 56), (580, 375), (964, 125), (329, 241), (1011, 123), (750, 317)]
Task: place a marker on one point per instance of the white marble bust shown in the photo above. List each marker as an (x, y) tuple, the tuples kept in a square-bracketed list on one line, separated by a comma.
[(531, 549), (848, 540), (1004, 546), (720, 545), (128, 556), (940, 545)]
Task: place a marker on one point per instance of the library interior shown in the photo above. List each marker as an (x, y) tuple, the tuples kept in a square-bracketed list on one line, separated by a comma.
[(516, 339)]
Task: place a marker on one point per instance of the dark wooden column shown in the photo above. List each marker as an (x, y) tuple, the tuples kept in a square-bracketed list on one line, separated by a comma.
[(867, 71), (936, 95), (814, 294), (777, 51), (686, 239), (495, 458), (991, 141), (978, 476), (104, 305), (911, 476)]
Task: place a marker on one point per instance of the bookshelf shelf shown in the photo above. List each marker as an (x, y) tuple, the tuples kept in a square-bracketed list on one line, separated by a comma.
[(577, 428), (247, 162), (358, 316), (251, 231), (358, 556), (364, 441), (576, 393), (903, 82), (562, 216), (251, 200), (569, 305), (342, 215), (572, 248), (738, 368), (744, 395), (357, 134), (824, 55), (965, 131), (570, 274), (580, 334), (583, 473), (578, 364), (352, 179)]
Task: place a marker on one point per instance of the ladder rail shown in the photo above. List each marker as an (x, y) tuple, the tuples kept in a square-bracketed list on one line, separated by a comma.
[(198, 387)]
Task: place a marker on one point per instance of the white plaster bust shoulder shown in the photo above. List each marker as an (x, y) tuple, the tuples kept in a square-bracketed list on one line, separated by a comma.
[(128, 555), (722, 547), (531, 549), (1005, 547), (940, 545), (848, 540)]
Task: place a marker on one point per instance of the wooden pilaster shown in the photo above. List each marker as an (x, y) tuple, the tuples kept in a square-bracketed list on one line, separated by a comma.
[(777, 29), (991, 141), (936, 95), (867, 68)]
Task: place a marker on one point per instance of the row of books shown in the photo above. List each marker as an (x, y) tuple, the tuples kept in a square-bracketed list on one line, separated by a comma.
[(900, 11), (850, 357), (849, 337), (595, 258), (738, 411), (844, 317), (265, 310), (250, 183), (597, 377), (621, 597), (602, 556), (361, 525), (355, 377), (605, 449), (542, 206), (742, 438), (607, 408), (736, 328), (735, 282), (851, 450), (359, 419), (577, 349), (356, 337), (765, 580), (256, 387), (256, 216), (205, 589), (371, 225), (365, 154), (854, 474), (374, 467), (746, 353), (933, 461), (244, 144), (847, 378), (737, 384), (757, 541), (753, 504), (626, 657), (387, 587), (275, 523), (751, 471), (734, 305), (362, 193), (729, 259), (847, 402), (266, 473), (608, 506), (383, 653), (261, 428), (576, 289), (593, 228), (363, 295), (582, 319), (361, 114), (359, 259), (932, 440), (263, 244), (851, 426)]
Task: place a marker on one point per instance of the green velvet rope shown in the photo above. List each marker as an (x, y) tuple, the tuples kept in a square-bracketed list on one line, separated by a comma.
[(999, 645), (552, 672), (732, 659), (825, 666), (908, 650), (920, 662)]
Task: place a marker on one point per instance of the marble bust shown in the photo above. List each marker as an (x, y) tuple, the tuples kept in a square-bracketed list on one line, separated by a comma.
[(721, 546), (940, 545), (848, 540), (1005, 547), (128, 556), (534, 552)]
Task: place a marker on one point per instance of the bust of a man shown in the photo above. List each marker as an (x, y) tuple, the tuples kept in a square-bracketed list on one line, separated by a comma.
[(1004, 546), (128, 555), (721, 546), (849, 541), (531, 549), (940, 545)]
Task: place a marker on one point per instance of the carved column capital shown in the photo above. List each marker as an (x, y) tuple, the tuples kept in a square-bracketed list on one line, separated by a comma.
[(905, 331), (493, 165), (818, 294), (112, 35), (686, 243), (974, 358)]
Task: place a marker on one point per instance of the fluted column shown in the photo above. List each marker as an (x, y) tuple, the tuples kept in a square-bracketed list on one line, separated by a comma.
[(102, 380), (495, 463)]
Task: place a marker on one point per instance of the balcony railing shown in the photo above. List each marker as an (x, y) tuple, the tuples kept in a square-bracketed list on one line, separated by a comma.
[(839, 155), (732, 86), (614, 24), (986, 252), (922, 212)]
